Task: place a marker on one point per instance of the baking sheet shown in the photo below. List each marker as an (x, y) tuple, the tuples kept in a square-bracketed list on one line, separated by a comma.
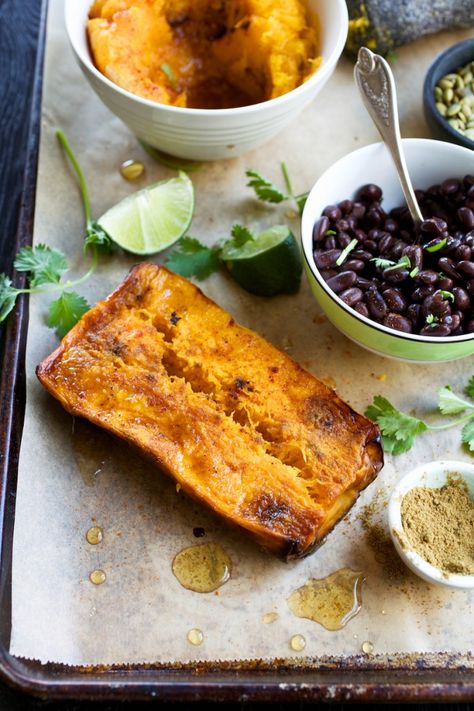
[(73, 476)]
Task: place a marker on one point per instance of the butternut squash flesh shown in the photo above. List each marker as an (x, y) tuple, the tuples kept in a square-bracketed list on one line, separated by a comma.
[(204, 53), (236, 422)]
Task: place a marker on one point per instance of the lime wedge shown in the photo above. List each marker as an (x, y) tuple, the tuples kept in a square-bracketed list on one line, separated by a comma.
[(268, 265), (152, 219)]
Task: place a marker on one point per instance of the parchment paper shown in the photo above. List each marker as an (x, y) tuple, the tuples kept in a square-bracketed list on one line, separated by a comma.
[(141, 613)]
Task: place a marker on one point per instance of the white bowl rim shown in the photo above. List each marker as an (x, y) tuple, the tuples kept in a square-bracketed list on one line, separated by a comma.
[(307, 245), (325, 68), (415, 561)]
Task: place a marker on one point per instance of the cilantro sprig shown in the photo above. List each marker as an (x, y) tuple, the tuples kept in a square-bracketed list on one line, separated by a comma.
[(267, 191), (399, 430), (46, 266), (192, 258)]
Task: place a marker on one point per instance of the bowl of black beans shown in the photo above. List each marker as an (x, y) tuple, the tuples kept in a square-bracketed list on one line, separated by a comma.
[(400, 290)]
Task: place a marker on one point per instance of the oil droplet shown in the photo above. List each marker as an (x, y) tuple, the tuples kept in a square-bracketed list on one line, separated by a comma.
[(97, 577), (269, 617), (367, 647), (132, 169), (331, 601), (195, 637), (94, 535), (202, 568), (199, 532), (297, 643)]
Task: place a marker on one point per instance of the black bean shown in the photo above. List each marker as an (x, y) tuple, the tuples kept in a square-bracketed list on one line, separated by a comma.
[(320, 228), (376, 304), (362, 309), (343, 240), (358, 211), (436, 305), (427, 276), (414, 314), (445, 283), (395, 276), (469, 327), (461, 298), (346, 206), (330, 242), (466, 268), (342, 225), (438, 329), (421, 292), (324, 260), (343, 280), (362, 254), (328, 273), (470, 287), (351, 296), (397, 249), (386, 243), (374, 216), (450, 186), (333, 213), (398, 322), (369, 192), (363, 283), (355, 265), (375, 234), (415, 255), (463, 252), (451, 320), (390, 225), (433, 226), (395, 300), (446, 265)]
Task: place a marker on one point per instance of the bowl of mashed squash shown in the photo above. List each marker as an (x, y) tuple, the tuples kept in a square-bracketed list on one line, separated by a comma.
[(206, 79)]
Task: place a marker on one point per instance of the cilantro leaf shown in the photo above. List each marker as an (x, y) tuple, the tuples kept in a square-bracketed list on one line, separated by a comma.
[(8, 295), (45, 264), (66, 311), (264, 188), (468, 434), (398, 429), (451, 404), (170, 75), (470, 387), (240, 235), (382, 263), (402, 262), (96, 236), (191, 258)]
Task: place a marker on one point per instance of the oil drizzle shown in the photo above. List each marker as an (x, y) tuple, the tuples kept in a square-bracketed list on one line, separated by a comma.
[(202, 568), (331, 601), (269, 617)]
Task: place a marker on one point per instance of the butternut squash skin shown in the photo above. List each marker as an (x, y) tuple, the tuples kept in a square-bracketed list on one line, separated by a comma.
[(236, 422)]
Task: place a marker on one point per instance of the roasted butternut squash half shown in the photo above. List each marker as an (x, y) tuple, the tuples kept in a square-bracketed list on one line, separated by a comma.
[(236, 422)]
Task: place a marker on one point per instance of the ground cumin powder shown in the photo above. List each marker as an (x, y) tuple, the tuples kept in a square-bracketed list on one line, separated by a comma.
[(439, 525)]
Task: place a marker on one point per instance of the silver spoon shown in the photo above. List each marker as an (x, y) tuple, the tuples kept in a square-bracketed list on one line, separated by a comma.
[(376, 84)]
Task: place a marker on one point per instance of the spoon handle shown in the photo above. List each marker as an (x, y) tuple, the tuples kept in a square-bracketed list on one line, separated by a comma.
[(375, 81)]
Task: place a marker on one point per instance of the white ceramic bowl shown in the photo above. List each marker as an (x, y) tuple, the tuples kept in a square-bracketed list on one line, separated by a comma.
[(204, 134), (433, 474), (429, 162)]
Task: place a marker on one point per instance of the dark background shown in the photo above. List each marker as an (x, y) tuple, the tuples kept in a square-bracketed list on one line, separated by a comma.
[(20, 29)]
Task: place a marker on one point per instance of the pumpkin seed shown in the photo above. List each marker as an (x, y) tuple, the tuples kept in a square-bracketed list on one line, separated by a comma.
[(453, 109), (454, 98), (442, 108)]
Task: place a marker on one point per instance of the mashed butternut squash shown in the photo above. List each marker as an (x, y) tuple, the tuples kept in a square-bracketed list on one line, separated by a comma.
[(204, 53)]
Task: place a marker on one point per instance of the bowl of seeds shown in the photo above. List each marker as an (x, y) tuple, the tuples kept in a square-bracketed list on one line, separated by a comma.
[(448, 94), (431, 519)]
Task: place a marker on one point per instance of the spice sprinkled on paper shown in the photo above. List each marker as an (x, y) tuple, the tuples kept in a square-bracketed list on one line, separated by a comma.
[(439, 524)]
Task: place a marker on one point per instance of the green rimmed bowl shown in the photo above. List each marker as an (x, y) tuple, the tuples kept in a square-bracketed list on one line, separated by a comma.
[(429, 162)]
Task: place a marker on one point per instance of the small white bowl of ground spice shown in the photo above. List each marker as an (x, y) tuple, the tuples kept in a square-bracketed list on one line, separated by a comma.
[(431, 519)]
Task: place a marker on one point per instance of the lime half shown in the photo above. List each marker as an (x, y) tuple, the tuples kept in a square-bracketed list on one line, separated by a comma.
[(152, 219), (268, 265)]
